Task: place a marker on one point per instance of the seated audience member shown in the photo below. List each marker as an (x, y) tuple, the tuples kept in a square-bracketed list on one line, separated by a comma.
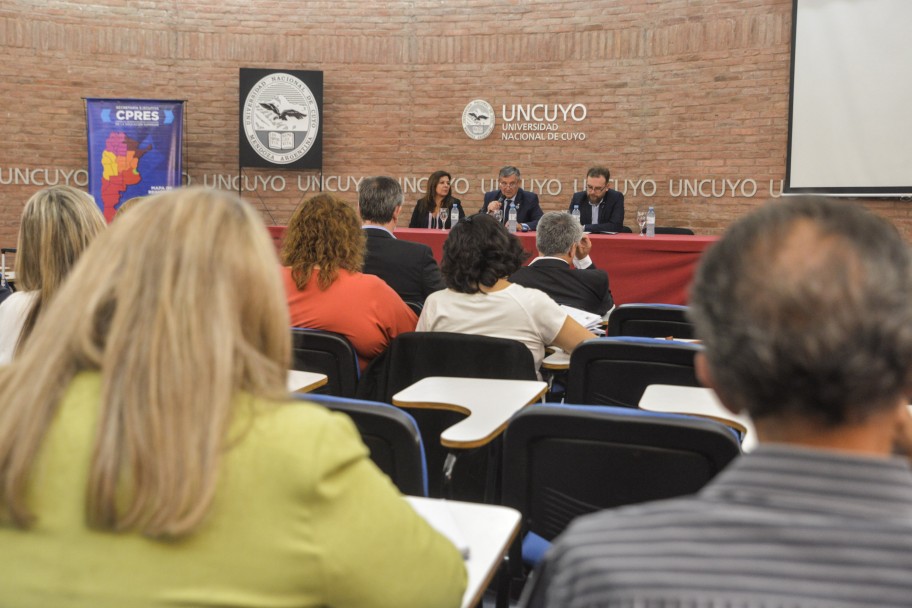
[(57, 224), (805, 312), (478, 256), (409, 268), (563, 269), (150, 456), (322, 255), (601, 208), (436, 204), (528, 211)]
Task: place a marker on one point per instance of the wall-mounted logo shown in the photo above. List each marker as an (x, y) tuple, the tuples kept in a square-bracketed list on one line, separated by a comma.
[(281, 118), (478, 119)]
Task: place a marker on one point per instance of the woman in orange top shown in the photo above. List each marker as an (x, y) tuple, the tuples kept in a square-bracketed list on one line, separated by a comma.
[(322, 256)]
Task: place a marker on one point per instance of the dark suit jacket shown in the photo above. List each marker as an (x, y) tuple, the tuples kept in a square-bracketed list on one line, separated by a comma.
[(585, 289), (409, 268), (528, 211), (610, 212), (420, 220)]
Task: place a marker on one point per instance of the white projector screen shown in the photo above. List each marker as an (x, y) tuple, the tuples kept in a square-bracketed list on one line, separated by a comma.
[(850, 115)]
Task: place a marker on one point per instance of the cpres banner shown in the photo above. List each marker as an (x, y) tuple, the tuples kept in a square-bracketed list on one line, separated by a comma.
[(134, 149)]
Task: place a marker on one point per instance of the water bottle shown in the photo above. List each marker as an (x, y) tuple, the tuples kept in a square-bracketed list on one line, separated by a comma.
[(511, 218), (454, 216), (651, 222), (575, 213)]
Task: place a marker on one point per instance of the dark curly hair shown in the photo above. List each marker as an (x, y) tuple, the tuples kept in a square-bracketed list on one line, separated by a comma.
[(323, 231), (478, 251)]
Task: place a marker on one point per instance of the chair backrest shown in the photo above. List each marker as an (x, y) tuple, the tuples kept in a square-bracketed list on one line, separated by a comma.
[(325, 352), (563, 461), (650, 321), (415, 355), (392, 436), (616, 371)]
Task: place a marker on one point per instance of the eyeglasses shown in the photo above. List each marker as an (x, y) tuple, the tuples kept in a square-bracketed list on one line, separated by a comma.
[(509, 185), (596, 188)]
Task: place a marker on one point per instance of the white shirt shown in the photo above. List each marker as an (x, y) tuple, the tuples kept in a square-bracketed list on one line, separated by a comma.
[(516, 313), (13, 311)]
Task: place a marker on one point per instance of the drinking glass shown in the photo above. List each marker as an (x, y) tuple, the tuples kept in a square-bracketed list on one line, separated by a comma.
[(442, 218), (641, 220), (498, 215)]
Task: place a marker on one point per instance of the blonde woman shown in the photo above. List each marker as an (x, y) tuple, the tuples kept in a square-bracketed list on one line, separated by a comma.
[(57, 224), (149, 455)]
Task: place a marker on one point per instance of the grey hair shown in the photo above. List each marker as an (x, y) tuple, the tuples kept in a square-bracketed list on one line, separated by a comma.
[(805, 310), (557, 232), (378, 198), (508, 171)]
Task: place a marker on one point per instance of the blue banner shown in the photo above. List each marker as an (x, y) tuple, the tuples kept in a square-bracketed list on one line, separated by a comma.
[(134, 149)]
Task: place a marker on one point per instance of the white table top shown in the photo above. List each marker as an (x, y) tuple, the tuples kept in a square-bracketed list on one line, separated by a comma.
[(487, 530), (699, 401), (558, 360), (304, 382), (488, 403)]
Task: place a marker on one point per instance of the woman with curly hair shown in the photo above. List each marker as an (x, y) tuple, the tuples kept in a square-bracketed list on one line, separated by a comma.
[(322, 254), (437, 198), (57, 224), (478, 256)]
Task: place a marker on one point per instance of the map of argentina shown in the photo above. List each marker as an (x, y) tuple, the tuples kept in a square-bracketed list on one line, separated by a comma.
[(120, 163)]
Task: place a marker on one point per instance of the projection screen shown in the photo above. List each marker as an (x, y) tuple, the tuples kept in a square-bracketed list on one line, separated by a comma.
[(850, 115)]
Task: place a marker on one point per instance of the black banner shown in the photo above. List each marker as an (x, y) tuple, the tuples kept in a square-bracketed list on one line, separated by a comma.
[(281, 119)]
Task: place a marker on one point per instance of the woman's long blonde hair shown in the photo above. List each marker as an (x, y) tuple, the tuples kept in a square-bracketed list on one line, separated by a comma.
[(56, 226), (323, 233), (180, 306)]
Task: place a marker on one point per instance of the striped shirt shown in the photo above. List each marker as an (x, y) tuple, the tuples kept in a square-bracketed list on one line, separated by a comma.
[(784, 526)]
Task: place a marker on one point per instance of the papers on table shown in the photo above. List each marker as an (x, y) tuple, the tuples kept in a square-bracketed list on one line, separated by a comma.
[(438, 514), (587, 319)]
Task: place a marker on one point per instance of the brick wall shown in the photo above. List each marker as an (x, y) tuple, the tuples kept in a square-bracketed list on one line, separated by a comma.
[(686, 100)]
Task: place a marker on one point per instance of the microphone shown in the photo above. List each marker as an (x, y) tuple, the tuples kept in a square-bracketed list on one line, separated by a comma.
[(503, 208)]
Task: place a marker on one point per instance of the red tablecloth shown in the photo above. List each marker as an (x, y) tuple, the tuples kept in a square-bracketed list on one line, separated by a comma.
[(659, 269)]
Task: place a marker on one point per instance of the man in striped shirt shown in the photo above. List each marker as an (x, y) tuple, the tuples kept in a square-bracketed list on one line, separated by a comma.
[(805, 311)]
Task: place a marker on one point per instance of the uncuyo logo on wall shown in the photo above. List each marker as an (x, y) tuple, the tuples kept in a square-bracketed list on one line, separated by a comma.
[(478, 119), (280, 118)]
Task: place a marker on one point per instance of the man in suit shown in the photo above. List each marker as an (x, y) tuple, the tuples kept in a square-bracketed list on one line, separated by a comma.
[(563, 269), (804, 308), (409, 268), (601, 208), (528, 211)]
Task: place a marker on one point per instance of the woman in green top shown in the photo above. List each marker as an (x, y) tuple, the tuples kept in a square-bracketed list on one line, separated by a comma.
[(149, 455)]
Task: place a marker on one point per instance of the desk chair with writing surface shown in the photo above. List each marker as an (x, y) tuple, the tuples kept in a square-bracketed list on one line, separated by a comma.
[(563, 461), (315, 350), (413, 356), (616, 371), (392, 436), (650, 321)]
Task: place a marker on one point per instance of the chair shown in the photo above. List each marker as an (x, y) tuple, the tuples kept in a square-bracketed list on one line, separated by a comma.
[(391, 435), (563, 461), (415, 355), (650, 321), (616, 371), (673, 230), (325, 352)]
